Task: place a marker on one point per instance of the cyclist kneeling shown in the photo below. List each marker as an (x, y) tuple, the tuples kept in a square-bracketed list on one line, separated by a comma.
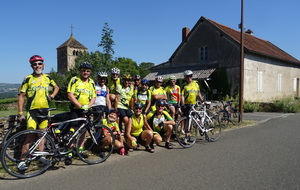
[(162, 123)]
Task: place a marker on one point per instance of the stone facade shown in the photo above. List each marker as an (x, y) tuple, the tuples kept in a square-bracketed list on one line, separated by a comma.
[(67, 53)]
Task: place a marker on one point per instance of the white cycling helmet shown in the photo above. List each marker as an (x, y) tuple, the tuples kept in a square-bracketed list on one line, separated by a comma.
[(159, 79), (115, 71), (187, 72), (102, 74)]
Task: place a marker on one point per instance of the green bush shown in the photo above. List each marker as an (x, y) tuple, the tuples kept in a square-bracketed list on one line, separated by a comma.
[(8, 100), (250, 106), (286, 105)]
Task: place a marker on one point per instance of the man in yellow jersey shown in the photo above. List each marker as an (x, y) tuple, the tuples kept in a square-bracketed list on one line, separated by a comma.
[(35, 88), (190, 91), (157, 92), (189, 94), (81, 92)]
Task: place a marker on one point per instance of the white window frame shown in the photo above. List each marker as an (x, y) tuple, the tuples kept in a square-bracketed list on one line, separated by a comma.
[(295, 84), (279, 82)]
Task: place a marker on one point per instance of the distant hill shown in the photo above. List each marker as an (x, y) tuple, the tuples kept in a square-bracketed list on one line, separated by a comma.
[(8, 90)]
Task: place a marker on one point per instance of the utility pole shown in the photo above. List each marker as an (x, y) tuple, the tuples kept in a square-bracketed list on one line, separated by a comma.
[(241, 93)]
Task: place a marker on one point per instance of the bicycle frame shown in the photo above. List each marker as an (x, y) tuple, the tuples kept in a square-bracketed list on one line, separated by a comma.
[(203, 116)]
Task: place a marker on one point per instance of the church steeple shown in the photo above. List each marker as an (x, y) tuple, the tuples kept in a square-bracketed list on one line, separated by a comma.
[(68, 52)]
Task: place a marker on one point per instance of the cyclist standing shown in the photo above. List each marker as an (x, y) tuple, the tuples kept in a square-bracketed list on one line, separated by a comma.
[(35, 88), (115, 80), (190, 92), (123, 100), (81, 92), (143, 95), (174, 95), (102, 103), (157, 91)]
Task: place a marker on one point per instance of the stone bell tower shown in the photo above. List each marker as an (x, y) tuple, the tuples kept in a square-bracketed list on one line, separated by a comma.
[(67, 53)]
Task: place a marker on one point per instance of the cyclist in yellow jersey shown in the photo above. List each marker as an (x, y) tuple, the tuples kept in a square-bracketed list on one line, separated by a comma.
[(162, 123), (143, 95), (190, 93), (113, 83), (81, 93), (124, 94), (138, 130), (111, 122), (35, 88), (157, 92), (190, 90)]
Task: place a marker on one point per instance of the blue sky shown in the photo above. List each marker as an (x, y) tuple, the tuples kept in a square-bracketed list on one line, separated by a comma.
[(145, 31)]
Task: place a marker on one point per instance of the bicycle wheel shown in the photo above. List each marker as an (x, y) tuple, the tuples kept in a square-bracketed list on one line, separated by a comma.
[(35, 162), (213, 128), (94, 150), (186, 136), (235, 117)]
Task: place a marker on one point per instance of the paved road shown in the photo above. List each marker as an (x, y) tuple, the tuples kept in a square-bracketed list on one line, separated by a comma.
[(264, 156)]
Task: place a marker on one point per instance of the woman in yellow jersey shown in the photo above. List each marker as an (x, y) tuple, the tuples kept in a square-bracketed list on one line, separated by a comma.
[(138, 130)]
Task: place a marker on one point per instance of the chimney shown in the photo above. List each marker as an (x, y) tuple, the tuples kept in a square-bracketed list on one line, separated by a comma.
[(249, 32), (185, 32)]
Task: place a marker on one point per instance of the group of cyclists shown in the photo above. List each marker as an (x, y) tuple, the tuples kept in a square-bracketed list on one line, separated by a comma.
[(137, 113)]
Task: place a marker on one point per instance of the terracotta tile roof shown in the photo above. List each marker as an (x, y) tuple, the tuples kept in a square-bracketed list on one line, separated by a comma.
[(256, 45), (72, 42)]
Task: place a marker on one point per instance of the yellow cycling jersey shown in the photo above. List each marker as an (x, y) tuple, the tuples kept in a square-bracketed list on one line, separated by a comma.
[(154, 121), (83, 91), (142, 96), (137, 126), (125, 95), (36, 89), (190, 92), (112, 125), (113, 87)]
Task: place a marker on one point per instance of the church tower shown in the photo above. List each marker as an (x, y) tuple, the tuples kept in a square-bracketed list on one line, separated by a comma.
[(67, 53)]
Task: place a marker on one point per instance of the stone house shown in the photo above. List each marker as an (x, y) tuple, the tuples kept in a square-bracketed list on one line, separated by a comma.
[(211, 49)]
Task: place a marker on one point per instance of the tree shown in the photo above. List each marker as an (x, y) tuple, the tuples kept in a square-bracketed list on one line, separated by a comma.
[(144, 68), (107, 42)]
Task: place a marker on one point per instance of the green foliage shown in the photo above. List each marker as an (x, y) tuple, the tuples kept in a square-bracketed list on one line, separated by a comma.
[(287, 105), (8, 100), (107, 42), (250, 106)]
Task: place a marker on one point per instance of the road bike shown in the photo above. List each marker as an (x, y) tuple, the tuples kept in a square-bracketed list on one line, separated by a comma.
[(198, 123), (56, 146), (229, 114)]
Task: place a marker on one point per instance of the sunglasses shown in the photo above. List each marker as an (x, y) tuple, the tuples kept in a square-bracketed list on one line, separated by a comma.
[(103, 78), (86, 70), (138, 108), (35, 64)]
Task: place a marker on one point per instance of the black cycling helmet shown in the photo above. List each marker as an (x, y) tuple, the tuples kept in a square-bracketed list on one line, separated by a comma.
[(35, 58), (113, 111), (160, 103), (86, 65), (138, 105)]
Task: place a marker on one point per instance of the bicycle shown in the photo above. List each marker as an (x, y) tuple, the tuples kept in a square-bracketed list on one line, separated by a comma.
[(55, 146), (229, 114), (198, 122)]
